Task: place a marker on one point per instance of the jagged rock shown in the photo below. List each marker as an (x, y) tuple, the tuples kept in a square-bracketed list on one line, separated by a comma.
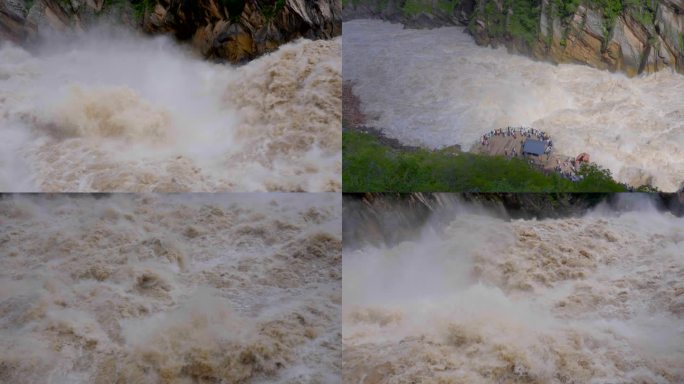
[(630, 47), (13, 20), (626, 46), (261, 27)]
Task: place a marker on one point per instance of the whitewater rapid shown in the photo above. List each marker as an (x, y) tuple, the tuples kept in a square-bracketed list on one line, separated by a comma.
[(177, 289), (437, 88), (591, 299), (110, 111)]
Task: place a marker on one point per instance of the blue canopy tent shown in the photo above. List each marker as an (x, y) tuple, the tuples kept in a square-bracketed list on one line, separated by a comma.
[(533, 147)]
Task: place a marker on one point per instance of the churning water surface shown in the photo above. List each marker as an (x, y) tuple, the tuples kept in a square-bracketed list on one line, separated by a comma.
[(170, 289), (109, 111), (437, 88), (591, 299)]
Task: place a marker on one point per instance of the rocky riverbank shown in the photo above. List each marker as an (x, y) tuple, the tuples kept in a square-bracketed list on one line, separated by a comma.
[(642, 37), (236, 31), (382, 218)]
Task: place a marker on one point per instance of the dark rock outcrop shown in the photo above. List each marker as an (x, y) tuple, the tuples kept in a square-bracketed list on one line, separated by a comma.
[(232, 30), (260, 27), (390, 218)]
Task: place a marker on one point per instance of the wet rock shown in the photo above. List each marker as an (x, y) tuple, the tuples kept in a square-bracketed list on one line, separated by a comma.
[(212, 28), (623, 44)]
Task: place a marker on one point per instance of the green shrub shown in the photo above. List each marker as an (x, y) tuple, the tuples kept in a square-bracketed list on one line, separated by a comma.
[(140, 8), (524, 19), (414, 7), (369, 166)]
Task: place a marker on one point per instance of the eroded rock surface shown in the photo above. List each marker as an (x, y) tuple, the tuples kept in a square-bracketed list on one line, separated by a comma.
[(232, 30)]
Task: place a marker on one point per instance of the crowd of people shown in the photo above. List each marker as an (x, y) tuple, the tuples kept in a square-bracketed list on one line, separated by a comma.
[(567, 168), (514, 133)]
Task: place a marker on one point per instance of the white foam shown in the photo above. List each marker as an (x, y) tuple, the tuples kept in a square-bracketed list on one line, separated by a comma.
[(437, 88), (109, 111)]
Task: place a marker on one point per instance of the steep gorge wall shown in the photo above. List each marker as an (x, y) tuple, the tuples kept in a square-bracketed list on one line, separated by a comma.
[(236, 30), (630, 36), (390, 218), (636, 39)]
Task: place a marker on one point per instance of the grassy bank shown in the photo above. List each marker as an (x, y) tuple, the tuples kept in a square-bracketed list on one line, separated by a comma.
[(369, 166)]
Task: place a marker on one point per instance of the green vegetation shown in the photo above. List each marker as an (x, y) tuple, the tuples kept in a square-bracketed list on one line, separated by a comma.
[(414, 7), (140, 8), (524, 19), (610, 9), (516, 18), (566, 8), (642, 11), (271, 8), (520, 18), (370, 166), (448, 6)]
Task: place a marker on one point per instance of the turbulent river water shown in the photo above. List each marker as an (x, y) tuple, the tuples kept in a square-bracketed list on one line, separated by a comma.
[(170, 289), (591, 299), (437, 88), (108, 111)]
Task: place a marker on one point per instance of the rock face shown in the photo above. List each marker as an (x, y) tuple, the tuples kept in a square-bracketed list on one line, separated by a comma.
[(222, 29), (387, 219), (625, 43), (262, 25), (632, 40)]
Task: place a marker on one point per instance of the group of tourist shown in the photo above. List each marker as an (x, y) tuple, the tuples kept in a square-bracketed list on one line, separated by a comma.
[(524, 133), (567, 169), (514, 132)]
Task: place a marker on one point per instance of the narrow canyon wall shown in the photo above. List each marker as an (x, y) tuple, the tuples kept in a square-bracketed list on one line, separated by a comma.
[(235, 30), (632, 37)]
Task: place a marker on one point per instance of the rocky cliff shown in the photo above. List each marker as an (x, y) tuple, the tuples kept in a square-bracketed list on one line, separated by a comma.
[(236, 30), (633, 37), (630, 36), (390, 218)]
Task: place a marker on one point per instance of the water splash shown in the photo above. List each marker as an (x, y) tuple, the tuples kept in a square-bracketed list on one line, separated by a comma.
[(437, 88), (593, 299), (108, 111), (170, 288)]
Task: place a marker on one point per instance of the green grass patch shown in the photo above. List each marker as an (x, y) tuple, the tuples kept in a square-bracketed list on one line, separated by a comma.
[(414, 7), (369, 166)]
